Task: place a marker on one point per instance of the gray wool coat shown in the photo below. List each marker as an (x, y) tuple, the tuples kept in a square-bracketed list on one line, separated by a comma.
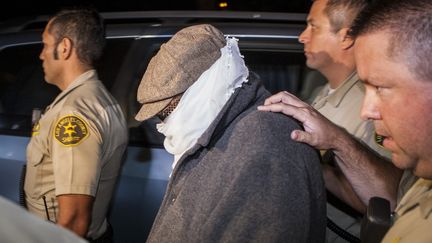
[(245, 181)]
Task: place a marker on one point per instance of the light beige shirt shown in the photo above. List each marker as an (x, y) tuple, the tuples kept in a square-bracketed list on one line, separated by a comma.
[(413, 216), (76, 148), (342, 107)]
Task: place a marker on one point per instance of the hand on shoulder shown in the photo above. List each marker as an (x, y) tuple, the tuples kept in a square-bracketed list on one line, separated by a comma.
[(318, 132)]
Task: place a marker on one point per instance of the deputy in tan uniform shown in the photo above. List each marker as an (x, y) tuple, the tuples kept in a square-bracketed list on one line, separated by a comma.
[(392, 54), (75, 152), (329, 50)]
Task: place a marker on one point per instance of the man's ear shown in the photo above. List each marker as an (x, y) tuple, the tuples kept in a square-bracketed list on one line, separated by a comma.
[(345, 40), (65, 48)]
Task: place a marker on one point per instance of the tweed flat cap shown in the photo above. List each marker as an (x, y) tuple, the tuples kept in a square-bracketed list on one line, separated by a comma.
[(177, 65)]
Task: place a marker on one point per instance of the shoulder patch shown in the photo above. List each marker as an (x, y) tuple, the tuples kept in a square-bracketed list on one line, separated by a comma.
[(35, 129), (396, 240), (71, 130)]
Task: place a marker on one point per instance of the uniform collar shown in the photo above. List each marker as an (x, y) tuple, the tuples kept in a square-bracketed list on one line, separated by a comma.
[(336, 97), (419, 195), (91, 74), (426, 205)]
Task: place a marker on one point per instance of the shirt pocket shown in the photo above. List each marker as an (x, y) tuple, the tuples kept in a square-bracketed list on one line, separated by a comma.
[(34, 174)]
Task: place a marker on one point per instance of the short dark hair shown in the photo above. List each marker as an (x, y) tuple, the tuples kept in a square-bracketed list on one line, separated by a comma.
[(342, 13), (85, 28), (409, 23)]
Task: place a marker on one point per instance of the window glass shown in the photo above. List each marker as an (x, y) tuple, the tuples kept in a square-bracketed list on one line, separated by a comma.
[(278, 70), (22, 84), (112, 60), (23, 88), (22, 80)]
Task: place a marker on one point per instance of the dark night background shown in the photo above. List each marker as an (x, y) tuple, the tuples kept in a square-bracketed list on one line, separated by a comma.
[(27, 8)]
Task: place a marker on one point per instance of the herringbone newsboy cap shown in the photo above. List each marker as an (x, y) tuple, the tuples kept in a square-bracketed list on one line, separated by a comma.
[(177, 65)]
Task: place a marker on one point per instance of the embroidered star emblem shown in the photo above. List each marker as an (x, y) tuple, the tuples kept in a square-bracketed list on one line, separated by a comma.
[(69, 129)]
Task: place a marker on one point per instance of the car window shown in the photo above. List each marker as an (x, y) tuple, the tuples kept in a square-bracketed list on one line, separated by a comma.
[(23, 87), (278, 70), (112, 60)]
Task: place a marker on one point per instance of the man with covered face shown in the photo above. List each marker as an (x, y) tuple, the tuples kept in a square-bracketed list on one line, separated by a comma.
[(236, 177)]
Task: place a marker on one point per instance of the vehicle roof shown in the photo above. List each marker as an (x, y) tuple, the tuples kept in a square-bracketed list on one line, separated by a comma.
[(165, 17), (148, 24)]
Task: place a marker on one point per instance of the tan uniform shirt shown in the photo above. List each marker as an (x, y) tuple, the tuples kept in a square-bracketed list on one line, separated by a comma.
[(413, 216), (76, 148), (342, 107)]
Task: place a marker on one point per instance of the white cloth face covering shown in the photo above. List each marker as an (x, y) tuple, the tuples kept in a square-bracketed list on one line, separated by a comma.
[(202, 102)]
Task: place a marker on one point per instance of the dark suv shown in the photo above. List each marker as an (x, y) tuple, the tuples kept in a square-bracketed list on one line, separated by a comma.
[(268, 42)]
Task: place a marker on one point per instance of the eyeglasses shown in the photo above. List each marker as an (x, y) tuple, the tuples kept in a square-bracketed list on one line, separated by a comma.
[(163, 114)]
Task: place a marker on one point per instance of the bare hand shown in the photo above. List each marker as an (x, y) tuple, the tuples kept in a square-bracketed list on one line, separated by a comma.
[(318, 132)]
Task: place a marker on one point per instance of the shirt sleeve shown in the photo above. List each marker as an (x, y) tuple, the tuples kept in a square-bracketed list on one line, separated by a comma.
[(76, 150)]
